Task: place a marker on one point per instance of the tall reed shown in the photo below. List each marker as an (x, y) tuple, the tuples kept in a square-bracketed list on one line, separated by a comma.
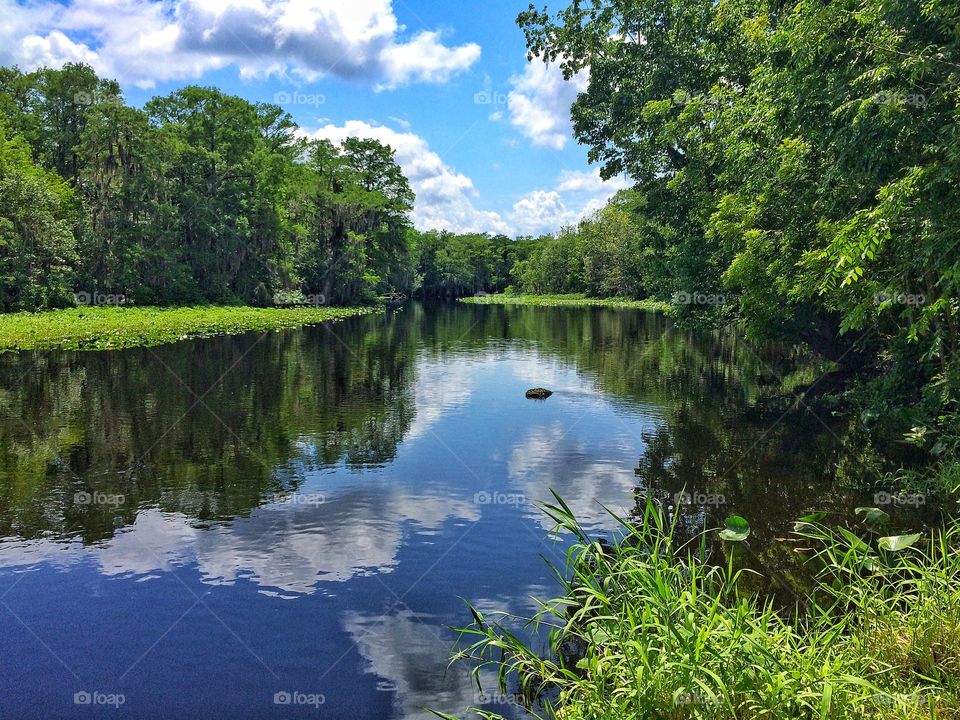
[(648, 627)]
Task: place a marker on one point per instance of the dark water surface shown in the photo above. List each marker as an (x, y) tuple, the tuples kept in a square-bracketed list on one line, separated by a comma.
[(200, 526)]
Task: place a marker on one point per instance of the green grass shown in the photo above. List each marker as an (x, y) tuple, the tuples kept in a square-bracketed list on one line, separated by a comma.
[(108, 328), (569, 301), (664, 634)]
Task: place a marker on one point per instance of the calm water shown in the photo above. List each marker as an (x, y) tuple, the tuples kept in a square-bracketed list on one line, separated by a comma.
[(201, 526)]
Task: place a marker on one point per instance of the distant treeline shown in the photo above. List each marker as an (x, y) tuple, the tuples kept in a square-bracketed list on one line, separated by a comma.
[(601, 256), (205, 197)]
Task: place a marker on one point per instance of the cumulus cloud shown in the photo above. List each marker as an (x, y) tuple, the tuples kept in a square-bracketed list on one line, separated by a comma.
[(575, 195), (444, 196), (542, 211), (540, 101), (145, 41)]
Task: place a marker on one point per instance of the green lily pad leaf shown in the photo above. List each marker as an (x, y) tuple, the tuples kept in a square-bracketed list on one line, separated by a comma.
[(872, 515), (736, 529), (896, 543)]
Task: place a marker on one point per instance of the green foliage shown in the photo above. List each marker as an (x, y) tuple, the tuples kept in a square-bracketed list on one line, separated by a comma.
[(349, 220), (38, 219), (650, 627), (569, 301), (200, 197), (110, 328), (799, 160), (448, 265)]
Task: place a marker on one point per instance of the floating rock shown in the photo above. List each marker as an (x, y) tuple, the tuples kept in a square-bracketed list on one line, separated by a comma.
[(538, 394)]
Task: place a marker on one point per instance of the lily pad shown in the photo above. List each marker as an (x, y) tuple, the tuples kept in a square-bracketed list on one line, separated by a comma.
[(736, 529)]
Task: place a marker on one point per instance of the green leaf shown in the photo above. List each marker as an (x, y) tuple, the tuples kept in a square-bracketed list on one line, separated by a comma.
[(856, 543), (872, 515), (736, 529), (896, 543)]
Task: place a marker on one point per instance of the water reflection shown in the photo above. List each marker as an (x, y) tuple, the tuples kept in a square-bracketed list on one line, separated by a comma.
[(326, 497)]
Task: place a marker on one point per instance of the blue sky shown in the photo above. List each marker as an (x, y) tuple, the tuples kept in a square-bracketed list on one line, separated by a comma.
[(483, 135)]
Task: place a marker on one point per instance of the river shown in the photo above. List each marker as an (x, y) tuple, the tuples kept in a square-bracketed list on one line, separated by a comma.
[(288, 524)]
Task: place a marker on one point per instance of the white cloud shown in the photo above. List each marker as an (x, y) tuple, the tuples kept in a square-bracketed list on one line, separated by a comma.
[(145, 41), (444, 196), (540, 103), (575, 195), (285, 547), (542, 211), (587, 181), (426, 59), (408, 652), (53, 50)]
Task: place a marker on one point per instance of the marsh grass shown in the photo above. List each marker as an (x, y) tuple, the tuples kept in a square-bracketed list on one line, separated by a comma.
[(110, 327), (663, 632)]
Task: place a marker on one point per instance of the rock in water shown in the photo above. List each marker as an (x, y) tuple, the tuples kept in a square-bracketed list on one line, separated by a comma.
[(539, 393)]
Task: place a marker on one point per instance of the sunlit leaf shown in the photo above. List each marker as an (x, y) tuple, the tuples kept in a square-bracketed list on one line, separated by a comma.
[(896, 543)]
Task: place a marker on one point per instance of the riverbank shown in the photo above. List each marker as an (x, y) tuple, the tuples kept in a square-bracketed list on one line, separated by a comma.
[(111, 328), (569, 301), (652, 628)]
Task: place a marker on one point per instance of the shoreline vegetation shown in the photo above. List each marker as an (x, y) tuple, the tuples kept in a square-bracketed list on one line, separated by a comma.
[(651, 626), (117, 327), (570, 300)]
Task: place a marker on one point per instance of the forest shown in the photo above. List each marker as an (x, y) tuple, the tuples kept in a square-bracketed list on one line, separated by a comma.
[(199, 197)]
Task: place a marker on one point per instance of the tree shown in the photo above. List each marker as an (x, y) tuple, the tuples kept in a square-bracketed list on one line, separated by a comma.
[(38, 221), (230, 158), (350, 210)]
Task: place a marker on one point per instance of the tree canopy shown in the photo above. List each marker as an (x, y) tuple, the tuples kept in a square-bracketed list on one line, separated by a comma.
[(198, 197)]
